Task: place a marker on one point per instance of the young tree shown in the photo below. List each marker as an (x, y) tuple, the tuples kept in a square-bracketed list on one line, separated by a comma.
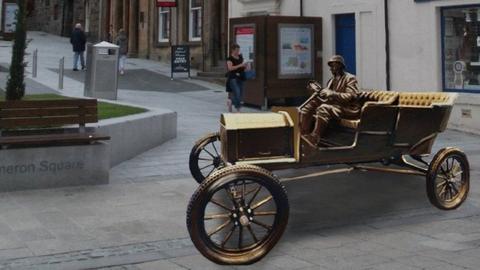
[(16, 83)]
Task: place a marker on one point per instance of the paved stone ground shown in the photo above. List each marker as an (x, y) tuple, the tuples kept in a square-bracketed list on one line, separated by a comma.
[(31, 86), (357, 220)]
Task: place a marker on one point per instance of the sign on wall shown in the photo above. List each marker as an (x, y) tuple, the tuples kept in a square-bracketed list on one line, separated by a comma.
[(245, 38), (10, 20), (180, 59), (167, 3), (295, 51)]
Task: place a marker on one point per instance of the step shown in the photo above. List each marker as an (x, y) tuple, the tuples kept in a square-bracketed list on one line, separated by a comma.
[(211, 74), (219, 69), (220, 81)]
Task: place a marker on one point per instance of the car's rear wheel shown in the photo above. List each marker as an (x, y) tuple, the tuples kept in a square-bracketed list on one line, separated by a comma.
[(238, 215), (205, 157), (448, 179)]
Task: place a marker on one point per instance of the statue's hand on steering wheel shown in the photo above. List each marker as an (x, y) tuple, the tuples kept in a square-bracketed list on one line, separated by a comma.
[(314, 86), (326, 93)]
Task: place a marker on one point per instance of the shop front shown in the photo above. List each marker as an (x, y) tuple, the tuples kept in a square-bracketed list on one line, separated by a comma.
[(461, 48)]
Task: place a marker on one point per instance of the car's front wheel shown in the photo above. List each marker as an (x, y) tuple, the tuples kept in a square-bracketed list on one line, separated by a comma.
[(237, 215)]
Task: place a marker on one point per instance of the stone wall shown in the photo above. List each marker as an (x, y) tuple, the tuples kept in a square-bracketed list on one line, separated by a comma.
[(56, 17), (92, 12), (206, 50), (57, 166)]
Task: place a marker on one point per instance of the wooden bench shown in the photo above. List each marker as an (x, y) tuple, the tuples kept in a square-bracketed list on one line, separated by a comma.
[(40, 122)]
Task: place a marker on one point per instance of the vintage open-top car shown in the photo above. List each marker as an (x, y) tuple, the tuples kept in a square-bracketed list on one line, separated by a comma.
[(240, 210)]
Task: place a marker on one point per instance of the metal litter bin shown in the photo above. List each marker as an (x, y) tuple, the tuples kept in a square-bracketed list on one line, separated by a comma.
[(101, 80)]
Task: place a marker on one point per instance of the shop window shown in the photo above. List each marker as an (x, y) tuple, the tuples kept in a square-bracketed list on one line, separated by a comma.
[(163, 24), (195, 20), (461, 48)]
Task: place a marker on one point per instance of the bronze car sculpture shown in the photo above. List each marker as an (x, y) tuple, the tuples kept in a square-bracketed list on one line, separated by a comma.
[(240, 210)]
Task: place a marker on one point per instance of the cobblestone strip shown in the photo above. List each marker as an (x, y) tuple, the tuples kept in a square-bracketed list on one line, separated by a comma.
[(102, 257)]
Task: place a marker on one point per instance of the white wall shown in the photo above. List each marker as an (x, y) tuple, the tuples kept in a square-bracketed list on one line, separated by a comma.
[(234, 9), (415, 42), (370, 36)]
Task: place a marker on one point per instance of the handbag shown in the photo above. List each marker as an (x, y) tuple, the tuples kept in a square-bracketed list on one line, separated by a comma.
[(250, 74)]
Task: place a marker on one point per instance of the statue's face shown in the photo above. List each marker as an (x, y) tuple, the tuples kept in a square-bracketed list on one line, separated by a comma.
[(336, 68)]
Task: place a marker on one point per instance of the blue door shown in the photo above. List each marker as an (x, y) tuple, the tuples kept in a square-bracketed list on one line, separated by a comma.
[(345, 40)]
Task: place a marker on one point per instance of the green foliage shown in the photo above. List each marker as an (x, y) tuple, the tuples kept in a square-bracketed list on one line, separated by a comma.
[(16, 81), (109, 110)]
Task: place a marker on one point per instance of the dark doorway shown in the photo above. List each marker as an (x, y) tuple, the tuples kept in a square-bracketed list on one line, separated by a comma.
[(67, 19)]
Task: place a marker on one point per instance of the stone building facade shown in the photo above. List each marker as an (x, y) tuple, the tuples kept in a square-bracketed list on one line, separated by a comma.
[(55, 16), (201, 24)]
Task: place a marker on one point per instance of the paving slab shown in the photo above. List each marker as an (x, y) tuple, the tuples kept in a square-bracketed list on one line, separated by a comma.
[(31, 86), (142, 80)]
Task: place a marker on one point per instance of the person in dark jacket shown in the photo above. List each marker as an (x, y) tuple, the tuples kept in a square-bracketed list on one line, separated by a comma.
[(78, 41)]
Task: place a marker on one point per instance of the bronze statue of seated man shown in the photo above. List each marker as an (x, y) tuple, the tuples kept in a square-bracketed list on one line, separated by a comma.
[(338, 100)]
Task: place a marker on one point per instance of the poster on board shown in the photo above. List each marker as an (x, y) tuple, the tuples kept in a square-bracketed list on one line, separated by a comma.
[(245, 38), (180, 61), (10, 20), (295, 51)]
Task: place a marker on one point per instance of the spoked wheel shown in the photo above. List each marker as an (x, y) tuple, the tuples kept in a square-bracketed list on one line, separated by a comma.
[(448, 179), (237, 215), (205, 157)]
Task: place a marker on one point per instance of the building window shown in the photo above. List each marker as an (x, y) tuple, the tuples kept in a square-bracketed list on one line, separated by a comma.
[(163, 24), (195, 20), (461, 48)]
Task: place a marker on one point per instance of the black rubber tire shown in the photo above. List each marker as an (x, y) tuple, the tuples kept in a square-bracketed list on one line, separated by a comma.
[(442, 156), (195, 154), (215, 182)]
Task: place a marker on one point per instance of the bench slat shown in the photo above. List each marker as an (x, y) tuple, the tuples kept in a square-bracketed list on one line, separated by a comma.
[(52, 138), (47, 121), (45, 112), (48, 103)]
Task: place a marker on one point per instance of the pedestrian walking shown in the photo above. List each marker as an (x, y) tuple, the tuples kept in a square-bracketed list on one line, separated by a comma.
[(78, 41), (235, 78), (122, 42)]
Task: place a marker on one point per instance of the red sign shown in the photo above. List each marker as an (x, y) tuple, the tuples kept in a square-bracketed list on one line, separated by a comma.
[(167, 3), (244, 30)]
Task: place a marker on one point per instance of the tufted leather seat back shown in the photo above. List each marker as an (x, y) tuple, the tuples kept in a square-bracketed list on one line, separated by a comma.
[(424, 99), (388, 97)]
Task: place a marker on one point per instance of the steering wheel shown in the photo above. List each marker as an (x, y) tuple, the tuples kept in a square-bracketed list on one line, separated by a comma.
[(314, 86)]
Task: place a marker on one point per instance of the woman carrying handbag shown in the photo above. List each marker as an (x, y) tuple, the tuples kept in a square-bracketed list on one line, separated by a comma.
[(235, 78)]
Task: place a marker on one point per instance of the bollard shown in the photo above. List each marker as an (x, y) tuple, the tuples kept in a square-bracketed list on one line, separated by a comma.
[(60, 73), (34, 63)]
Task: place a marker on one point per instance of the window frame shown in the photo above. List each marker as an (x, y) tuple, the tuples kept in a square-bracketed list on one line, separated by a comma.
[(190, 23), (442, 52), (161, 11)]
